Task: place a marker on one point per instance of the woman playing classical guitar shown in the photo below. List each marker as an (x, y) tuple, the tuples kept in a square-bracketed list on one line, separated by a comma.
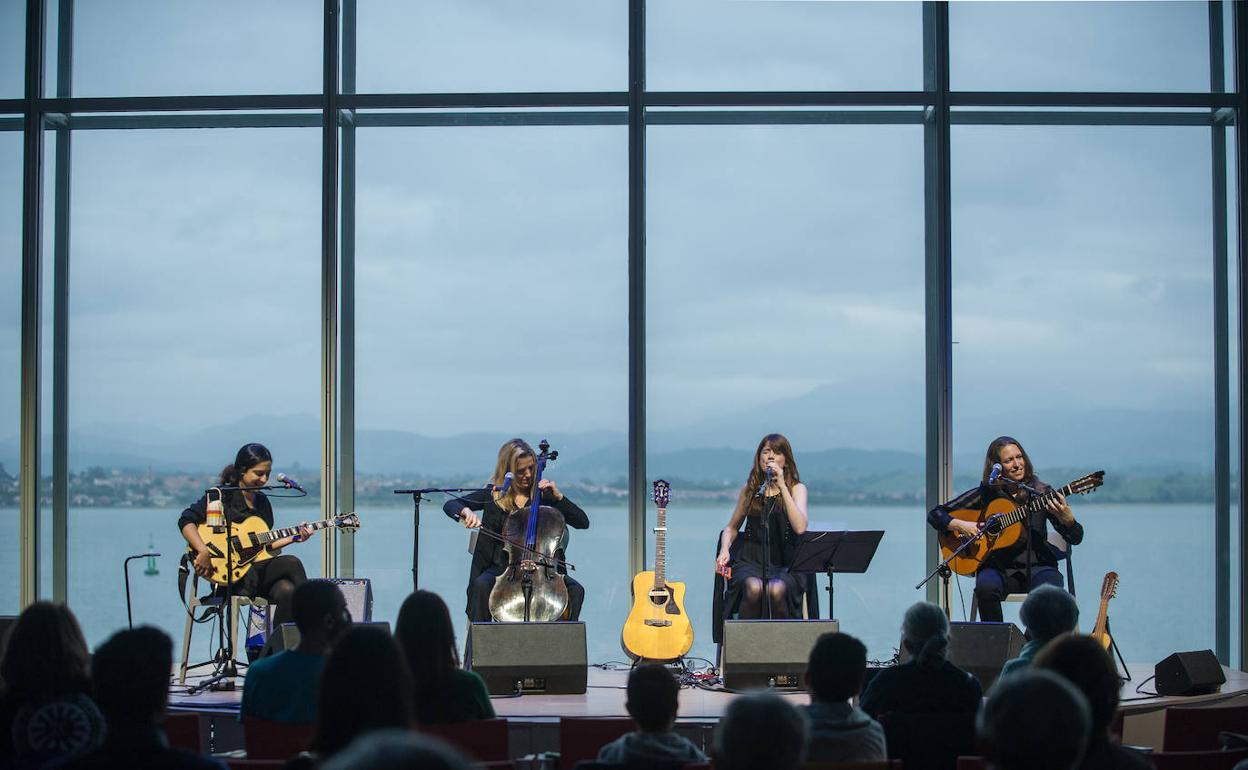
[(274, 579), (773, 506), (489, 559), (1029, 562)]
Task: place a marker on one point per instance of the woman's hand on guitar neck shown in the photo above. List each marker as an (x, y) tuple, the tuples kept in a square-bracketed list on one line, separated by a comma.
[(1058, 506), (963, 528), (203, 564)]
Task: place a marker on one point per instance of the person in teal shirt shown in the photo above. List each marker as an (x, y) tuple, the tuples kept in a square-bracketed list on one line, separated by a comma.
[(283, 687), (444, 692), (1047, 612)]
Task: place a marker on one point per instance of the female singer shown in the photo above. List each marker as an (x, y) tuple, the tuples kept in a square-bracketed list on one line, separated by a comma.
[(773, 506), (489, 558), (1029, 562), (274, 579)]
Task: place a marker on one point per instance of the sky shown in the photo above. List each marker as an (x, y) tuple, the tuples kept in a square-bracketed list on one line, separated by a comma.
[(785, 263)]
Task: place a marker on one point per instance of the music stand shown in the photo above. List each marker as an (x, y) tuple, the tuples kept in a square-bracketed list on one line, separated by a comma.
[(831, 552)]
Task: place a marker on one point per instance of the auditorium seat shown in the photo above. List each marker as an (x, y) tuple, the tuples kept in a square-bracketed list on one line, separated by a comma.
[(265, 739), (971, 763), (502, 764), (1198, 760), (1194, 728), (580, 738), (888, 764), (483, 740), (254, 764), (182, 730)]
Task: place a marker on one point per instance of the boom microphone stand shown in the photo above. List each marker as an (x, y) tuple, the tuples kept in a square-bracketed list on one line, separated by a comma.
[(417, 496)]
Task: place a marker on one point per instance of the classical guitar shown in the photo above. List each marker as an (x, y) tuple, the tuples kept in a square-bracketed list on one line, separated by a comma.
[(1002, 523), (249, 539), (1109, 589), (657, 627)]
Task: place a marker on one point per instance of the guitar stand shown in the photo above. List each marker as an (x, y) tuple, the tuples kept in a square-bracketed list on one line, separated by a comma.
[(1117, 652)]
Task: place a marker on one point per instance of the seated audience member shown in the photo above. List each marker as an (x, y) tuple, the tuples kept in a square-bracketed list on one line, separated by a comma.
[(1083, 662), (131, 672), (652, 702), (928, 683), (840, 731), (760, 731), (282, 687), (443, 692), (1034, 720), (386, 749), (365, 686), (1047, 612), (46, 710)]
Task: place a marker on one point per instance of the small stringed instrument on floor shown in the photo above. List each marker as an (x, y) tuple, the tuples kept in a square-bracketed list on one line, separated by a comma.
[(249, 540), (1109, 589), (1002, 523), (657, 627)]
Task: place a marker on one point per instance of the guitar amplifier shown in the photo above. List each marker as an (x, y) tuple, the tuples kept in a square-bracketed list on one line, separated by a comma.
[(770, 653), (359, 595)]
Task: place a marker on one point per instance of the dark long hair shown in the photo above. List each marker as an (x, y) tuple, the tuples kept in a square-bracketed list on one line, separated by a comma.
[(46, 656), (249, 456), (993, 455), (365, 686), (778, 443), (426, 638)]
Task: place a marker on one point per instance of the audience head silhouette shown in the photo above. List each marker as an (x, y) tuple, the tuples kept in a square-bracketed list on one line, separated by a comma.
[(1033, 720), (320, 612), (1082, 661), (925, 633), (1049, 611), (652, 697), (131, 672), (386, 749), (426, 636), (365, 686), (837, 666), (46, 655), (760, 731)]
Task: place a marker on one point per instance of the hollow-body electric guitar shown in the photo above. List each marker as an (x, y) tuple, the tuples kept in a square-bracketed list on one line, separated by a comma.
[(249, 539)]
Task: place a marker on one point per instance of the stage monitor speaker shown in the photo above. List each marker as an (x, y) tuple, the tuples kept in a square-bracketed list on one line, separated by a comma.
[(770, 653), (287, 637), (980, 648), (1189, 673), (529, 657), (359, 595)]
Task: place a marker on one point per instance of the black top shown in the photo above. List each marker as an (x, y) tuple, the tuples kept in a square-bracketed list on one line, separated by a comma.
[(1013, 558), (781, 540), (490, 552), (236, 510), (911, 688)]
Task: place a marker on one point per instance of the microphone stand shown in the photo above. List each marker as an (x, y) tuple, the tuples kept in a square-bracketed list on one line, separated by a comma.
[(417, 496), (125, 568)]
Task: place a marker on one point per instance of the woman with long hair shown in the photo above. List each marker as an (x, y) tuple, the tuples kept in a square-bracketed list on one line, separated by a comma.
[(46, 710), (1029, 562), (772, 504), (444, 692), (274, 579), (490, 507)]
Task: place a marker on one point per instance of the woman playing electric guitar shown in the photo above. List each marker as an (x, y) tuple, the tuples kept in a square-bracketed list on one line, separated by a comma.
[(1029, 562), (274, 579), (511, 485)]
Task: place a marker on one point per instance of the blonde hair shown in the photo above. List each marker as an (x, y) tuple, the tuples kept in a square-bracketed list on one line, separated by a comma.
[(509, 456)]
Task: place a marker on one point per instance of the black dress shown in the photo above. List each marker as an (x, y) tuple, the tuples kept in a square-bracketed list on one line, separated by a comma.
[(748, 555)]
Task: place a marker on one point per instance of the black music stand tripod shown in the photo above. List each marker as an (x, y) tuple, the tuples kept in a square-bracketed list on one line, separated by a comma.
[(832, 552)]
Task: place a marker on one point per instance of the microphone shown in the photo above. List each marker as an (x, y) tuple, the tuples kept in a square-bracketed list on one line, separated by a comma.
[(289, 483), (762, 488), (995, 473), (507, 479)]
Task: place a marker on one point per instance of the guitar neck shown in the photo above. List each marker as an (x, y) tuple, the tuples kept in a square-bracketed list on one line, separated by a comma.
[(1102, 617), (660, 549), (1033, 505), (278, 534)]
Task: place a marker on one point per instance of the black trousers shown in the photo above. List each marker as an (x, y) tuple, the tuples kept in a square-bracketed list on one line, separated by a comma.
[(276, 580), (991, 588), (479, 596)]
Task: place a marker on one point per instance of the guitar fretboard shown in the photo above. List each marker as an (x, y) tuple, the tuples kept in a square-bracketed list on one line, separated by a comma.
[(1033, 505), (278, 534), (660, 550)]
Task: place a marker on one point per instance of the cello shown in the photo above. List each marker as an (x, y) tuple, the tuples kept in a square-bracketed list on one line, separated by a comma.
[(531, 589)]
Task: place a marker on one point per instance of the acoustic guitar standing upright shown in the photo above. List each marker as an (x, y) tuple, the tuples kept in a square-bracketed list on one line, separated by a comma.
[(657, 627)]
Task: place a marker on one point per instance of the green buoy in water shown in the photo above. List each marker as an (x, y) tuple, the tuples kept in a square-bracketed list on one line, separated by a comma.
[(151, 568)]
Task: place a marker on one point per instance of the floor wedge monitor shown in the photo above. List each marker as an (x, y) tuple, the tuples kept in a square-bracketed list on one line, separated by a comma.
[(770, 653), (529, 657), (1189, 673)]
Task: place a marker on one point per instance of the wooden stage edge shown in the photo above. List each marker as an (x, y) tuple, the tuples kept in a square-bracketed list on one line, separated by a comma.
[(534, 718)]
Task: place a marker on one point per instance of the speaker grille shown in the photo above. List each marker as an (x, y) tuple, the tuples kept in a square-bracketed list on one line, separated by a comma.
[(540, 657), (770, 653)]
